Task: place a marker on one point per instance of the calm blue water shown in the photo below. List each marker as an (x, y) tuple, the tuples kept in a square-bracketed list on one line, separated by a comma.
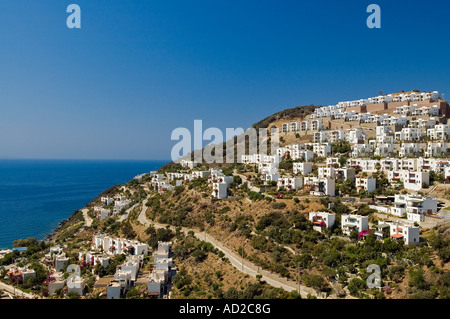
[(35, 195)]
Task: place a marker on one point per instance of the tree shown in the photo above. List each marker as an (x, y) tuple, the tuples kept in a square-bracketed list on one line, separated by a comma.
[(72, 295), (354, 235), (315, 281), (417, 278), (127, 230), (356, 285)]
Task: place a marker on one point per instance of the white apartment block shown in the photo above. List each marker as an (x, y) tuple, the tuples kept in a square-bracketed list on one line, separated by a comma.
[(412, 180), (76, 286), (120, 203), (115, 289), (302, 168), (409, 149), (356, 136), (321, 149), (439, 132), (325, 219), (360, 150), (217, 176), (384, 149), (436, 149), (290, 183), (447, 172), (321, 220), (93, 258), (369, 166), (326, 172), (115, 246), (268, 168), (398, 230), (320, 186), (344, 173), (200, 174), (107, 200), (409, 134), (331, 161), (272, 177), (219, 190), (314, 125), (413, 207), (295, 151), (56, 281), (155, 284), (102, 213), (423, 123), (384, 134), (368, 184), (262, 158), (403, 231), (320, 137), (188, 164), (351, 223)]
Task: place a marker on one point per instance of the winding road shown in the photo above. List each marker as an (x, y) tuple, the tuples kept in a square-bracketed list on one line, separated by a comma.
[(16, 292), (238, 262)]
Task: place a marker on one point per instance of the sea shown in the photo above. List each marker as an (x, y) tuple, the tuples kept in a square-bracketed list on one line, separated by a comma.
[(36, 195)]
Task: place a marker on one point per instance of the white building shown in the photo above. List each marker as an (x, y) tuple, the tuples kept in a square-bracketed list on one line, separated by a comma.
[(360, 150), (61, 263), (102, 213), (290, 183), (384, 149), (116, 246), (436, 149), (321, 149), (369, 184), (75, 285), (350, 223), (320, 186), (344, 173), (322, 219), (326, 172), (409, 149), (155, 284), (219, 190), (188, 163), (409, 134), (116, 289), (413, 207), (412, 180), (107, 200), (406, 232), (302, 168), (439, 132)]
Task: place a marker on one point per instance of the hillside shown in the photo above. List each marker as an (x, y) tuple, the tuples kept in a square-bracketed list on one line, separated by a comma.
[(298, 112)]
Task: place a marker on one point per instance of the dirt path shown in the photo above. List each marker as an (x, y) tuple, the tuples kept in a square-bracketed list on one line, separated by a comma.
[(86, 217)]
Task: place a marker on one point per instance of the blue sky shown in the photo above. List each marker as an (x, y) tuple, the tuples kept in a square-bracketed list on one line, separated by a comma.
[(136, 70)]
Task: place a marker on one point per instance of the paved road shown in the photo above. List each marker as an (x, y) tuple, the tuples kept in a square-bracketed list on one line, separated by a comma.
[(125, 215), (242, 265), (17, 292)]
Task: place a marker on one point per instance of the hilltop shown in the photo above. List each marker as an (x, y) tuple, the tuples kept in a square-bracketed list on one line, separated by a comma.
[(294, 113)]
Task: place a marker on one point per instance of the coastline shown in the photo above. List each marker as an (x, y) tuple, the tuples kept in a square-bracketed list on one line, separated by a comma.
[(45, 189)]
